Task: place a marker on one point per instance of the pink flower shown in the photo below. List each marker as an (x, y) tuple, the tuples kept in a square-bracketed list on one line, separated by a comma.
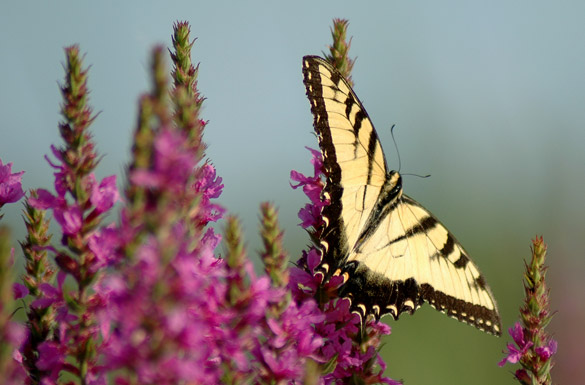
[(10, 184), (210, 186), (19, 290), (45, 200), (174, 163), (61, 175), (104, 195), (70, 217), (52, 357), (340, 326), (545, 352), (515, 353), (104, 243)]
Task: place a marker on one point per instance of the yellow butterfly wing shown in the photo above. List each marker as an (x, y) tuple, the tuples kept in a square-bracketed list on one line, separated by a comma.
[(395, 253)]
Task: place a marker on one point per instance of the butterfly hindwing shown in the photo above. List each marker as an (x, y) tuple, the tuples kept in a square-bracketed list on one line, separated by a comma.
[(411, 244), (394, 252)]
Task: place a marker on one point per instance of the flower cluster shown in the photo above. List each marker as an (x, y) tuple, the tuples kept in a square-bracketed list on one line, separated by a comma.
[(10, 184), (533, 347), (523, 347), (166, 310), (350, 348), (11, 332), (173, 312)]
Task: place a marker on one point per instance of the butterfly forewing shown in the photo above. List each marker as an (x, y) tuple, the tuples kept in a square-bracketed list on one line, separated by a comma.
[(352, 153)]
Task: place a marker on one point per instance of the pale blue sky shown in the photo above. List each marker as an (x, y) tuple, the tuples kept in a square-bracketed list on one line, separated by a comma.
[(488, 98)]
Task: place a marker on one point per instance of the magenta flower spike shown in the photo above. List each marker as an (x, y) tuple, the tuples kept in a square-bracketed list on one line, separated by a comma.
[(63, 329), (533, 348), (176, 313), (351, 351), (12, 333)]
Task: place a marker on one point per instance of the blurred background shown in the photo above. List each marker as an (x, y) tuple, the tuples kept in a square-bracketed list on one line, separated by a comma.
[(487, 98)]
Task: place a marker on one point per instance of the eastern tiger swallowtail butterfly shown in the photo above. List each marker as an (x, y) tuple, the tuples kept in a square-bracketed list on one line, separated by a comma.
[(394, 254)]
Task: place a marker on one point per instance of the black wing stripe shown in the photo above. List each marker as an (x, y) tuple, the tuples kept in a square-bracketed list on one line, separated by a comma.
[(462, 262), (479, 316), (357, 125), (371, 152), (332, 235), (422, 227), (448, 248)]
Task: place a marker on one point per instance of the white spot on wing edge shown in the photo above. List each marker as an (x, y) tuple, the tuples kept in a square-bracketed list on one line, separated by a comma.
[(392, 309)]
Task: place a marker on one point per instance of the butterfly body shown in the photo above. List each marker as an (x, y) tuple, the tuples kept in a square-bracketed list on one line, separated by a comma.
[(395, 254)]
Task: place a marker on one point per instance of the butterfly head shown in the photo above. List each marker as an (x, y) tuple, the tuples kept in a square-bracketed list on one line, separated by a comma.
[(394, 184)]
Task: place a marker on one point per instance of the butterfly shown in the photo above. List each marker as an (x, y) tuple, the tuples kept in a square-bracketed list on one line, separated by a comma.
[(394, 253)]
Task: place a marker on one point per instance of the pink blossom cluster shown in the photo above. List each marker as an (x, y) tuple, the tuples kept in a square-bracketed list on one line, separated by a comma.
[(10, 184), (340, 328), (146, 299)]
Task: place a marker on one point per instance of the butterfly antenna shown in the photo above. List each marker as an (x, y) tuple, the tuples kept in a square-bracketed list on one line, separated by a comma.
[(420, 176), (398, 153), (396, 147)]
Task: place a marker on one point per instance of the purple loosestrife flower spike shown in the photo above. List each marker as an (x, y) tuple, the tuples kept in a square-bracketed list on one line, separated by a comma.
[(168, 318), (273, 256), (278, 332), (39, 271), (79, 205), (533, 347), (11, 333), (339, 51), (152, 116), (349, 354), (185, 94), (247, 303), (288, 348)]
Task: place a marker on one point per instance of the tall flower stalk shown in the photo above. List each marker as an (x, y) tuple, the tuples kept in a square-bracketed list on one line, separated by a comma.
[(164, 247), (79, 204), (350, 352), (533, 348), (11, 333), (40, 273), (175, 312), (339, 51)]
